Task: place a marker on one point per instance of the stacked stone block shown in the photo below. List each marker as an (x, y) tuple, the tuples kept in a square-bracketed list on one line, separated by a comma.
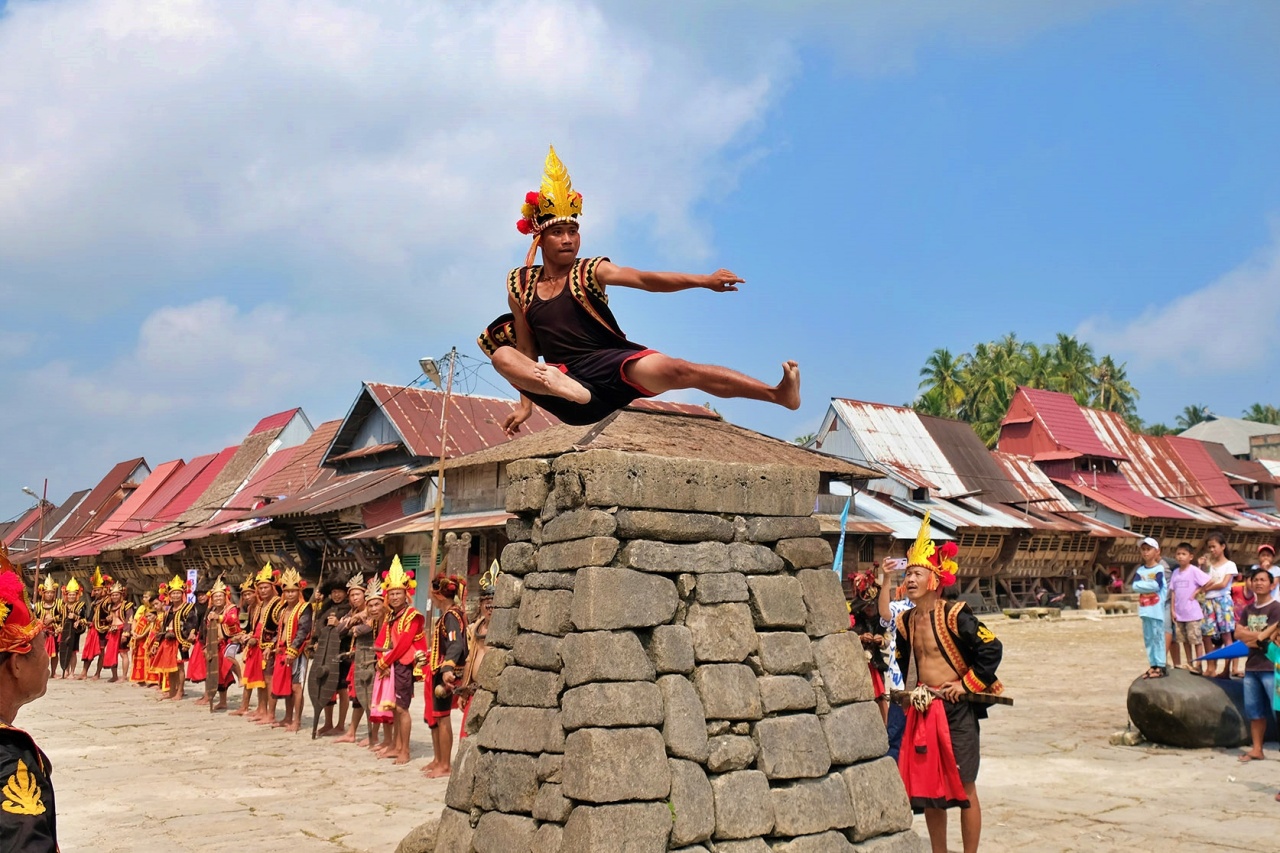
[(670, 670)]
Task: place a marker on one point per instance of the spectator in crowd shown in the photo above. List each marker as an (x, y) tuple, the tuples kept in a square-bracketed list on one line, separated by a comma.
[(1186, 581), (1266, 560), (1150, 583), (891, 603), (1219, 617), (1259, 672)]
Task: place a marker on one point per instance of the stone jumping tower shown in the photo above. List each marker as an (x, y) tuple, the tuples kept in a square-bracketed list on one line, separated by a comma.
[(670, 669)]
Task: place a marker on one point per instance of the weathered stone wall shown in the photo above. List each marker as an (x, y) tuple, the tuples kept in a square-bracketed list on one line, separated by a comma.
[(670, 671)]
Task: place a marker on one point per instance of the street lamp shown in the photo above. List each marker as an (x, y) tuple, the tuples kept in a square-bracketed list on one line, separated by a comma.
[(432, 372)]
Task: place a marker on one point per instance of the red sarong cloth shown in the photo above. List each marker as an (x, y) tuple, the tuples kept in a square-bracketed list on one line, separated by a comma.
[(254, 677), (111, 654), (927, 763), (92, 646), (226, 668), (139, 671), (166, 659), (51, 644), (877, 682), (197, 669), (282, 676)]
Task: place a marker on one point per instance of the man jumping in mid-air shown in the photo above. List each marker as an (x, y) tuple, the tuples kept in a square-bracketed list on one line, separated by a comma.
[(559, 311)]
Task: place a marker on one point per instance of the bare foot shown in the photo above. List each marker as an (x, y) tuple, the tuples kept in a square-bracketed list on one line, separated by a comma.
[(333, 732), (347, 738), (438, 773), (239, 712), (788, 391), (400, 758), (292, 727), (324, 731), (221, 706), (112, 680), (364, 741), (203, 700), (559, 384)]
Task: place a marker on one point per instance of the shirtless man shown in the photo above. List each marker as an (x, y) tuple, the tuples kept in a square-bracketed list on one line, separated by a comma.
[(954, 655), (560, 311)]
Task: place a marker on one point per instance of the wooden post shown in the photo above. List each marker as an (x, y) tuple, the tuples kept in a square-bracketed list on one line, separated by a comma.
[(444, 438)]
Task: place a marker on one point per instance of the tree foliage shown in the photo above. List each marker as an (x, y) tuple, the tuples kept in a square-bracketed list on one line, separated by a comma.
[(1192, 415), (1263, 413), (977, 387)]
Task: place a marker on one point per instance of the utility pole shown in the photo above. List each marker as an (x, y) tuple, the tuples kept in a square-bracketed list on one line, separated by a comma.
[(444, 439)]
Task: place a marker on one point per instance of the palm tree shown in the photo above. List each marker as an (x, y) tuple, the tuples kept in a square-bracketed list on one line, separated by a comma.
[(1073, 364), (1037, 367), (1262, 413), (1192, 415), (802, 440), (1112, 391), (1159, 429), (940, 377), (932, 402)]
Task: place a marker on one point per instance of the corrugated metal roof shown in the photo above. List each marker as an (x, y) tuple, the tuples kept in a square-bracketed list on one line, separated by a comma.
[(1062, 418), (203, 470), (101, 501), (1213, 485), (339, 492), (896, 437), (1272, 465), (1147, 465), (1244, 470), (1112, 490), (1232, 432), (424, 522), (954, 515), (277, 421), (1101, 529), (903, 524), (972, 461), (29, 520), (1034, 484), (474, 422), (304, 468)]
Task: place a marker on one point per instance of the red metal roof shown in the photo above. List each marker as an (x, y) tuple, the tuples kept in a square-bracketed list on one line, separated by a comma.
[(1214, 487), (304, 468), (276, 421), (101, 501), (28, 521), (1033, 482), (340, 491), (474, 422), (1112, 490), (1148, 465), (207, 469), (1063, 424)]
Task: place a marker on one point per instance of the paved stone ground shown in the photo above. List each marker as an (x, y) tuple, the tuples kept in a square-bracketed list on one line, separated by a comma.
[(135, 774), (132, 774)]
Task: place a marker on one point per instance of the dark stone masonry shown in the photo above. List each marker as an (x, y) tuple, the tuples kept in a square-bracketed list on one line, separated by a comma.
[(670, 671)]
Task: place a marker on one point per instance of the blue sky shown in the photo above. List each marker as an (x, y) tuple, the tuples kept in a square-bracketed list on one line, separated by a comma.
[(213, 211)]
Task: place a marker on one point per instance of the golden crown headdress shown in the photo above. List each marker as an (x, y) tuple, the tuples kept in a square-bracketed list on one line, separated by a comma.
[(266, 574), (116, 587), (553, 202), (218, 587), (290, 579), (97, 577), (177, 583), (73, 585), (489, 580), (249, 583), (397, 578), (49, 585), (939, 561)]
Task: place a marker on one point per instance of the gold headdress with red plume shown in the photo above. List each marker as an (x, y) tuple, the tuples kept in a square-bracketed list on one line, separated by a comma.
[(267, 575), (554, 202), (49, 585), (218, 587), (73, 585), (397, 578), (939, 561), (17, 628), (291, 579), (176, 584), (97, 577)]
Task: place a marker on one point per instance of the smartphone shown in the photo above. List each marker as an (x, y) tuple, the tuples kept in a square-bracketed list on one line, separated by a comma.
[(894, 564)]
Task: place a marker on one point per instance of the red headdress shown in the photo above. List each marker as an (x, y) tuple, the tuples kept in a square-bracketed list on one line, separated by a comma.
[(17, 628)]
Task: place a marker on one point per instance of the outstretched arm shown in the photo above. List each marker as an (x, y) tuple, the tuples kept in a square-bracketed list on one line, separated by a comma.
[(664, 282)]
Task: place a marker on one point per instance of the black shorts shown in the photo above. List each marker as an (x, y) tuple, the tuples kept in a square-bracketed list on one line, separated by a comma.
[(441, 705), (344, 671), (402, 675), (963, 723)]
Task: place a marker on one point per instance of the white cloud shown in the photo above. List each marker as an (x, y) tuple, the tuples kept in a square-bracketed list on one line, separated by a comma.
[(1200, 333)]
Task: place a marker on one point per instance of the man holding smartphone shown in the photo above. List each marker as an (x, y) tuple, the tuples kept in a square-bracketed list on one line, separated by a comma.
[(892, 605)]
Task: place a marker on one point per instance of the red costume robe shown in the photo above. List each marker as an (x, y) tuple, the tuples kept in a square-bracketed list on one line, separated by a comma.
[(294, 629)]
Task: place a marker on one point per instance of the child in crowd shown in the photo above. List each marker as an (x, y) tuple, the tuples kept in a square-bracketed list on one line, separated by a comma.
[(1149, 583), (1219, 612), (1186, 581)]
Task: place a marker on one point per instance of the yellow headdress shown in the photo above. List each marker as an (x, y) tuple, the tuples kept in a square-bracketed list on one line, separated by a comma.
[(49, 585), (97, 577), (397, 578), (489, 580), (248, 584), (939, 561), (266, 575), (218, 586), (178, 584), (554, 202), (73, 585), (290, 579), (116, 587)]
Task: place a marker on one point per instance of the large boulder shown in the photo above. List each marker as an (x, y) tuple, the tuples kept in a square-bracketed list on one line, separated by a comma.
[(1189, 710)]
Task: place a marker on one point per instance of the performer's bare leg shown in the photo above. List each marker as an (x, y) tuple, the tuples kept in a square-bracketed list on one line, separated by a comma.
[(529, 375), (293, 710), (442, 746), (658, 373), (350, 735), (970, 824)]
